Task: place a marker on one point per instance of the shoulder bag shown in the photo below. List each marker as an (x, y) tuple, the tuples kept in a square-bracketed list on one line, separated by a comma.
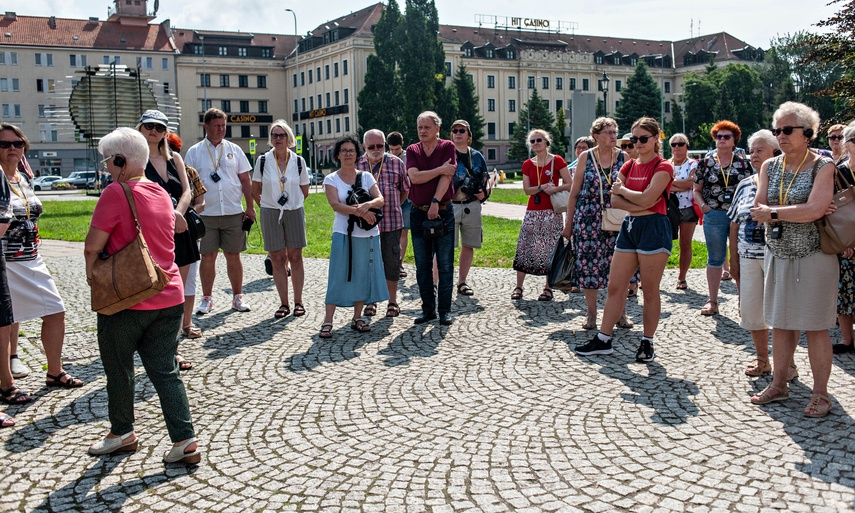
[(837, 230), (559, 199), (612, 217), (127, 277)]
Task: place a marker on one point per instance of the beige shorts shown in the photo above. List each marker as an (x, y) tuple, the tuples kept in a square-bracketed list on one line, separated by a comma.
[(751, 287), (223, 232), (467, 224)]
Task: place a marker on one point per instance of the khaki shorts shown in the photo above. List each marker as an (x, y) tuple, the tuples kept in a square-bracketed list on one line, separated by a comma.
[(390, 249), (223, 232), (467, 221), (290, 232)]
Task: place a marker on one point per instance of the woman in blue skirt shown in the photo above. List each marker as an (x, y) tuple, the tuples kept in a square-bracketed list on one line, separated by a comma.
[(356, 272)]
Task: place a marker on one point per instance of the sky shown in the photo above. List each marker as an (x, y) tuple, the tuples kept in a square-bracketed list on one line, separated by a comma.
[(756, 22)]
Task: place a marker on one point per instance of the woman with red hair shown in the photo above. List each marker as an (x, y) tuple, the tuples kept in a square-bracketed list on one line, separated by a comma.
[(715, 183)]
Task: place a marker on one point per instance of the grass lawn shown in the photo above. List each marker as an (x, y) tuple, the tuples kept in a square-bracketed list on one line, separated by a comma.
[(69, 221)]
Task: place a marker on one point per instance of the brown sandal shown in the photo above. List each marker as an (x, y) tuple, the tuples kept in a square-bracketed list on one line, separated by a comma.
[(326, 330), (590, 322), (759, 367), (370, 310), (56, 381), (191, 331), (393, 310), (624, 322), (546, 295), (770, 394), (517, 293), (711, 308), (360, 325), (682, 285), (818, 406)]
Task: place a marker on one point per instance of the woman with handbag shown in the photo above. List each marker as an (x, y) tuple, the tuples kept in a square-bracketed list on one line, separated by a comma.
[(541, 225), (846, 292), (33, 291), (150, 327), (590, 197), (166, 168), (356, 273), (644, 241), (794, 190), (715, 182)]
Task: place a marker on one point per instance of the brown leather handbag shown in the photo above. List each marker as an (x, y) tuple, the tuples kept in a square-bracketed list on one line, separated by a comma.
[(837, 231), (127, 277)]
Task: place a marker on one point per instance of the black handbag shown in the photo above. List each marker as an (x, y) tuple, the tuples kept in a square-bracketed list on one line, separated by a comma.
[(358, 195), (193, 218), (433, 228), (673, 205), (562, 269)]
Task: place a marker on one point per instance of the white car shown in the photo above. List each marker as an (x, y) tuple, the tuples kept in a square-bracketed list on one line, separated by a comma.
[(45, 183)]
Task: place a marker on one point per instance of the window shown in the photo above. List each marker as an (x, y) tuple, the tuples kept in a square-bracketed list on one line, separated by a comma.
[(262, 106), (266, 53), (6, 110), (261, 81), (491, 153), (228, 132), (42, 111), (667, 87), (106, 59), (335, 69), (586, 84), (241, 52), (344, 72), (318, 74), (598, 59), (559, 83), (491, 81), (491, 105), (572, 84), (512, 82), (467, 52), (310, 75), (223, 50), (491, 131), (47, 133), (49, 59), (296, 106), (347, 124), (164, 63), (320, 105), (244, 105), (337, 125), (224, 81), (600, 85), (545, 81), (38, 58), (530, 82), (667, 106), (198, 50), (294, 77), (511, 127), (166, 88), (205, 79), (512, 54), (40, 85), (311, 103), (320, 127), (618, 85), (633, 61), (72, 60), (346, 101), (302, 78), (243, 80), (447, 68), (336, 99), (51, 85), (512, 105), (262, 132), (4, 85), (559, 104), (546, 104), (149, 62), (327, 74), (303, 103), (245, 132), (489, 53), (329, 126), (328, 103), (206, 104), (226, 105)]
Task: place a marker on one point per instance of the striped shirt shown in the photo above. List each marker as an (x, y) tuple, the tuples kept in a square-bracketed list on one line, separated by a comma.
[(392, 180)]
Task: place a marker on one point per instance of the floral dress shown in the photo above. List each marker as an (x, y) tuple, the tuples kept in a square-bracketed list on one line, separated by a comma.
[(846, 285), (594, 247)]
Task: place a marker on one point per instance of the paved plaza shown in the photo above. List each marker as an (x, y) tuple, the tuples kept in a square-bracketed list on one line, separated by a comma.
[(494, 413)]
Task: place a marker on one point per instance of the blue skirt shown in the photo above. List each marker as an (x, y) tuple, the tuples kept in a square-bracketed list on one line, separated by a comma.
[(367, 281)]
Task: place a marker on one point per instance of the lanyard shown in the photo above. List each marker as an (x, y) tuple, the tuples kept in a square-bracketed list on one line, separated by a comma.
[(536, 167), (281, 172), (216, 163), (782, 198), (378, 167), (22, 194), (602, 169), (725, 176)]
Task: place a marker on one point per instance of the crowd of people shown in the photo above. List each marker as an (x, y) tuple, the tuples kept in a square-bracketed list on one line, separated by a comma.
[(619, 222)]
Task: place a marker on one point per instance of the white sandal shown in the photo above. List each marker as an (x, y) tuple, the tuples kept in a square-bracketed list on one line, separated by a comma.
[(177, 454)]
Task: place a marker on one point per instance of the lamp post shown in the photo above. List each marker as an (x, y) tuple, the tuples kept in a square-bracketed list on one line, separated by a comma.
[(297, 67), (605, 82)]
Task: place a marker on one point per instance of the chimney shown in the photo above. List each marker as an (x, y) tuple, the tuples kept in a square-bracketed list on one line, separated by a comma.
[(10, 15), (52, 22)]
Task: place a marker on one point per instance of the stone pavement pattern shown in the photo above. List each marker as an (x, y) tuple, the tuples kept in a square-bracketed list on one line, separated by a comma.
[(494, 413)]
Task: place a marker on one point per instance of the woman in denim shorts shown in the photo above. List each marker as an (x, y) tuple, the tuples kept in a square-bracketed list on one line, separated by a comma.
[(644, 240)]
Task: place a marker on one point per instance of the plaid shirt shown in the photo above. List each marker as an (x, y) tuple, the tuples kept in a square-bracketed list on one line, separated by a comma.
[(196, 187), (392, 182)]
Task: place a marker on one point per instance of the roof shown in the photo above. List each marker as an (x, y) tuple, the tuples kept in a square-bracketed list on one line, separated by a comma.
[(282, 44), (361, 21), (72, 33), (723, 45)]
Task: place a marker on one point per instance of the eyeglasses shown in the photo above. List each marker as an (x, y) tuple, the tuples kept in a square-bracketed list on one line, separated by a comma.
[(852, 139), (374, 147), (787, 130), (347, 152), (835, 137), (643, 139), (154, 126), (608, 132), (8, 144), (678, 144), (276, 135), (103, 163), (458, 130), (626, 146), (726, 137), (535, 141)]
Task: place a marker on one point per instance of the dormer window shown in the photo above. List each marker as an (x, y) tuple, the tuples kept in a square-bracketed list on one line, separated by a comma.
[(598, 59), (489, 53), (512, 54), (467, 52)]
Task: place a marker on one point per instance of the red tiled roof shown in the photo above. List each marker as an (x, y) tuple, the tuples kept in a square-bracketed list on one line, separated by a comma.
[(721, 44), (362, 21), (61, 32)]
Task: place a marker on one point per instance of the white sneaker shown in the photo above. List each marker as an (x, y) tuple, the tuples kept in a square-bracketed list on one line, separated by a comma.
[(205, 306), (238, 303), (19, 370)]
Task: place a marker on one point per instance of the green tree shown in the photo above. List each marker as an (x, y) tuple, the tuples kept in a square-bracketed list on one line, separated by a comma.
[(419, 81), (640, 97), (534, 114), (380, 99), (467, 105), (559, 146), (836, 46)]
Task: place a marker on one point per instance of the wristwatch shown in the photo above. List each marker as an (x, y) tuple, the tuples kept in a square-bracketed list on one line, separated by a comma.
[(434, 200), (774, 214)]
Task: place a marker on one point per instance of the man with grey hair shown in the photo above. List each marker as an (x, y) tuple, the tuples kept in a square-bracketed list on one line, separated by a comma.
[(391, 177), (431, 163)]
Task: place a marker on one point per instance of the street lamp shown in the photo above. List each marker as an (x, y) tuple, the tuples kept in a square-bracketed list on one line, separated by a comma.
[(297, 67), (605, 82)]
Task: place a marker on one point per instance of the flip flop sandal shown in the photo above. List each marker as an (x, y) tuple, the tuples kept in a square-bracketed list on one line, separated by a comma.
[(326, 330), (360, 325), (299, 310), (517, 293), (191, 331), (465, 289), (370, 311), (711, 308), (590, 323), (283, 311), (14, 395), (56, 381), (725, 276), (393, 310), (682, 285), (624, 322), (183, 364), (402, 274), (6, 421), (631, 292), (546, 295)]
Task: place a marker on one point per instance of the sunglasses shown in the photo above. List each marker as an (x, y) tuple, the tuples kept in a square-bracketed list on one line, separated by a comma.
[(8, 144), (154, 126), (535, 141), (278, 136), (627, 146), (374, 147), (787, 130), (835, 137), (678, 144), (727, 137), (643, 139), (458, 130)]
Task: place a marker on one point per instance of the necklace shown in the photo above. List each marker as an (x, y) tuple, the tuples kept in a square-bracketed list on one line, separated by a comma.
[(675, 164), (22, 194)]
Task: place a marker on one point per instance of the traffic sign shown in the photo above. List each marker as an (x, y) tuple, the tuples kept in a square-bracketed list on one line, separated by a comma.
[(252, 146), (299, 144)]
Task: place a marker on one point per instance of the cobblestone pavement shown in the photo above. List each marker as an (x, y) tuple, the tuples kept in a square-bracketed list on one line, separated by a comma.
[(494, 413)]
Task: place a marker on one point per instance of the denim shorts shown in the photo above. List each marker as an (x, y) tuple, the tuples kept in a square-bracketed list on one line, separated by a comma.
[(716, 231), (645, 235)]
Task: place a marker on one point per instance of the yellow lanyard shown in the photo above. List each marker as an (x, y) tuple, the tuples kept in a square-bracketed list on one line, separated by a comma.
[(782, 198), (216, 163), (22, 194), (282, 178), (536, 167), (602, 169), (380, 170), (724, 175)]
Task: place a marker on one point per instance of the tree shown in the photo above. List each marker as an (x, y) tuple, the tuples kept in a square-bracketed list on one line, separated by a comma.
[(640, 97), (380, 98), (534, 114), (419, 81), (836, 47), (467, 105), (559, 146)]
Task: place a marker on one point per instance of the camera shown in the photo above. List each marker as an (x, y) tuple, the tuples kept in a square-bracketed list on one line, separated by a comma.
[(215, 177), (777, 231), (247, 224), (283, 199), (537, 198), (755, 233)]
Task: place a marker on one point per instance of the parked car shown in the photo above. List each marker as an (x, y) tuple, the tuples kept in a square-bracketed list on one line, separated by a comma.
[(79, 179), (44, 183), (317, 178)]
